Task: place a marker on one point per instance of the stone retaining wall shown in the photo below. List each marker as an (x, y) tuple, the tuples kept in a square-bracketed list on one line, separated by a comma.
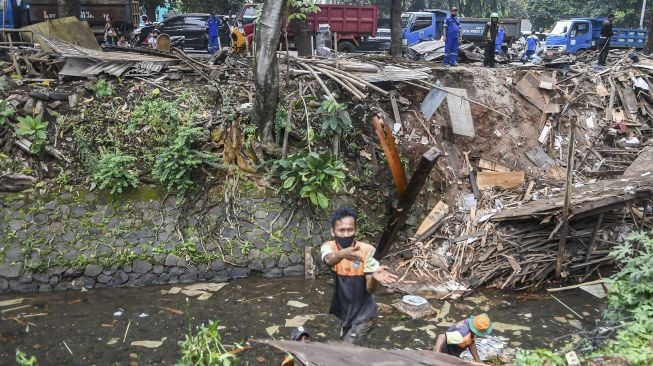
[(82, 240)]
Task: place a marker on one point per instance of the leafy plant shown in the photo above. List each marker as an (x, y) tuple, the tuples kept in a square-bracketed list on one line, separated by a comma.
[(631, 300), (114, 171), (62, 179), (176, 164), (334, 116), (22, 360), (102, 88), (34, 130), (300, 8), (205, 348), (6, 111), (311, 175), (158, 113), (538, 357)]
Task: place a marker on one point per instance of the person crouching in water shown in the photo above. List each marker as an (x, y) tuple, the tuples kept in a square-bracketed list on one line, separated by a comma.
[(462, 335), (357, 275)]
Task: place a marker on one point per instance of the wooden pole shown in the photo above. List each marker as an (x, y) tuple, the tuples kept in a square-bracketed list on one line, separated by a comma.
[(597, 227), (422, 171), (394, 162), (335, 46), (565, 209)]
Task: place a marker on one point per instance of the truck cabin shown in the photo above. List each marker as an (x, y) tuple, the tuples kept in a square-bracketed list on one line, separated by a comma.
[(418, 27), (573, 35)]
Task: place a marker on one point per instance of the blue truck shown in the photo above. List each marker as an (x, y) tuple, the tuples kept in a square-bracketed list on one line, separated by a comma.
[(427, 25), (576, 35)]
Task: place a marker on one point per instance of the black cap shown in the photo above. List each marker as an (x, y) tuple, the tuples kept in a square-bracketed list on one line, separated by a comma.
[(298, 332)]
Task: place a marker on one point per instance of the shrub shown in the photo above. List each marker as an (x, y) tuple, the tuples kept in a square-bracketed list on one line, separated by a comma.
[(205, 348), (34, 130), (114, 171), (175, 165), (157, 113), (311, 175), (631, 300), (334, 116), (102, 88), (6, 111)]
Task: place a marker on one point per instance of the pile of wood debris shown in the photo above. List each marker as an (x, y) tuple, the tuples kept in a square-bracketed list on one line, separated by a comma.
[(514, 227)]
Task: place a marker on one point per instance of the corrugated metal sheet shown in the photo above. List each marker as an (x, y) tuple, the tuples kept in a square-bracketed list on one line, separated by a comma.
[(83, 62)]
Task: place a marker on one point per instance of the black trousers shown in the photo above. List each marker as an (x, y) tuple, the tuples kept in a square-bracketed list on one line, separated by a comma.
[(488, 61), (604, 48)]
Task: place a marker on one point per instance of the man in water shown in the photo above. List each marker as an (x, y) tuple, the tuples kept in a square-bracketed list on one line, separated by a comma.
[(462, 335), (357, 276)]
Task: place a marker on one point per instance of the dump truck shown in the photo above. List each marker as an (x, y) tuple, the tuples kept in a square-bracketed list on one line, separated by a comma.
[(353, 23), (427, 25), (124, 13), (576, 35)]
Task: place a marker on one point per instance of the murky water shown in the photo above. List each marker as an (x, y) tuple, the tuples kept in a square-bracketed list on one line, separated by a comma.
[(79, 328)]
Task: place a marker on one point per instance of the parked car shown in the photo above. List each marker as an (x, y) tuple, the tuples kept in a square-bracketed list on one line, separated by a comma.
[(379, 43), (190, 26)]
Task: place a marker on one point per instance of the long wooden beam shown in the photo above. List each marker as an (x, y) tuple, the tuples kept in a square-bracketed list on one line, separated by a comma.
[(391, 154), (400, 214)]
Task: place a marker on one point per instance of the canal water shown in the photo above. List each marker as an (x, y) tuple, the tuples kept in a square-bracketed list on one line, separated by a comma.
[(104, 326)]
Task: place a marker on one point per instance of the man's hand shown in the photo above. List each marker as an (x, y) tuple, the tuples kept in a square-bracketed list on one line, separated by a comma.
[(383, 276), (351, 253)]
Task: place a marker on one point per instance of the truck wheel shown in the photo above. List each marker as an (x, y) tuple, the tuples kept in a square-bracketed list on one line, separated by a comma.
[(346, 47)]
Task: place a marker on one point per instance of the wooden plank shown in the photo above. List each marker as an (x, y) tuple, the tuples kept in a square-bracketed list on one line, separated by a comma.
[(547, 85), (629, 100), (503, 180), (641, 165), (527, 195), (460, 113), (540, 158), (400, 214), (434, 217), (392, 155), (490, 165), (601, 90), (395, 108), (528, 87), (338, 354)]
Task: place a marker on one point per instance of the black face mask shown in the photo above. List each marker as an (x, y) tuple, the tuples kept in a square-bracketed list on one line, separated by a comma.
[(345, 242)]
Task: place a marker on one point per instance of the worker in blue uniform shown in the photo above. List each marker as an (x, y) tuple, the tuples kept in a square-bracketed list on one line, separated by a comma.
[(501, 35), (212, 28), (451, 37), (531, 45)]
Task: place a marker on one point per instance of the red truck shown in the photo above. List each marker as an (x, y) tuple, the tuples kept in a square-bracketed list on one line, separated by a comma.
[(352, 23)]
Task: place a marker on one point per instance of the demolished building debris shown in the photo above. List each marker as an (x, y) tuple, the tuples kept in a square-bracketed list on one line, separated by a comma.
[(499, 207)]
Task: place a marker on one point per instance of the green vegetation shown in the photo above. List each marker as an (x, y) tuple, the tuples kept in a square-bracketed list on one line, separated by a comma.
[(630, 302), (334, 116), (102, 88), (157, 113), (311, 175), (538, 357), (22, 360), (298, 9), (6, 111), (33, 128), (205, 347), (176, 164), (114, 171)]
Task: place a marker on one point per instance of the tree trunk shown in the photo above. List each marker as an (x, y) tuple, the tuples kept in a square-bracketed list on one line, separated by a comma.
[(266, 68), (396, 45), (649, 41)]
